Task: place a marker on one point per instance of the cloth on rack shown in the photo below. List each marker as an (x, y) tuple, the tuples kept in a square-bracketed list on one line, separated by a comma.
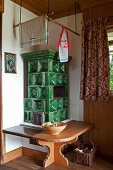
[(33, 32), (63, 45)]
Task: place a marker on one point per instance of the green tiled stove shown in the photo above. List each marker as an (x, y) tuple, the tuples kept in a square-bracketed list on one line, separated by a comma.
[(47, 87)]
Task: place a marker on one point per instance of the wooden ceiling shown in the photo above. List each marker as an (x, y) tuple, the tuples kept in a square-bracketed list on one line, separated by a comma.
[(60, 8)]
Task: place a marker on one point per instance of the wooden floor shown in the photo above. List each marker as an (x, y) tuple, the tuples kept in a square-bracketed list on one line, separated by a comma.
[(26, 163)]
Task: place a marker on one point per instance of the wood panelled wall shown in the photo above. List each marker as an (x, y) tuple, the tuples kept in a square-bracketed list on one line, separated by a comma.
[(98, 11), (100, 113)]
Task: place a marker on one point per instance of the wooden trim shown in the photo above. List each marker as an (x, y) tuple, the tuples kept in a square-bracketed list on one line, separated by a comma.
[(3, 143), (36, 155), (33, 153), (111, 97), (2, 6), (12, 155)]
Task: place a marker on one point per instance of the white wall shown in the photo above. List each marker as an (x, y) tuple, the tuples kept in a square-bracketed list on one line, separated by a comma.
[(75, 104), (12, 84)]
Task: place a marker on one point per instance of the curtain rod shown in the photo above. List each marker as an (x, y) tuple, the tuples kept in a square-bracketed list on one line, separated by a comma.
[(52, 20)]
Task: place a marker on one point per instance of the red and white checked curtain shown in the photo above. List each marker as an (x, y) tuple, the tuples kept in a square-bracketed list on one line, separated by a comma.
[(95, 67)]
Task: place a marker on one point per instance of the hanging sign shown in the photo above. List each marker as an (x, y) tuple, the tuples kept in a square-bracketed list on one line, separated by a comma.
[(63, 45)]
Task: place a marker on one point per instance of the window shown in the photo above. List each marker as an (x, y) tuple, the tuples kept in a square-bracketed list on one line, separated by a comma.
[(110, 40), (111, 71)]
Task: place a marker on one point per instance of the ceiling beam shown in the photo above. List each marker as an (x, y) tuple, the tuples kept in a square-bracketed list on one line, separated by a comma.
[(38, 10), (37, 6), (27, 6)]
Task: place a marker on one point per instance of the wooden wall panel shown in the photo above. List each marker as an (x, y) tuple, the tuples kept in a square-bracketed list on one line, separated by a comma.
[(101, 115), (2, 6), (103, 10)]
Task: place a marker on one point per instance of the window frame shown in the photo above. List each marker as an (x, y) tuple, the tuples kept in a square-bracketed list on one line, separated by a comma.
[(109, 30)]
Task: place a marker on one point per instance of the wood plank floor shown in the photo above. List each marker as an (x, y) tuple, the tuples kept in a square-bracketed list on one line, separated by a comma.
[(26, 163)]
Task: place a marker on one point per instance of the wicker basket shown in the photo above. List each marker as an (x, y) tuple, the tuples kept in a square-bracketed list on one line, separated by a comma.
[(85, 153)]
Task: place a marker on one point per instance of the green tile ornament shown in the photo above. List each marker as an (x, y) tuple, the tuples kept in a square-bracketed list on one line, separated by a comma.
[(37, 79), (27, 104), (52, 105), (50, 65), (65, 79), (52, 78), (32, 67), (27, 116), (32, 92), (63, 114), (59, 79), (43, 65), (65, 103), (40, 105), (59, 104), (45, 73), (55, 66), (30, 79), (43, 92)]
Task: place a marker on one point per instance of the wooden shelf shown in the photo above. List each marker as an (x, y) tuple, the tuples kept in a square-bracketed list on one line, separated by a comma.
[(23, 131)]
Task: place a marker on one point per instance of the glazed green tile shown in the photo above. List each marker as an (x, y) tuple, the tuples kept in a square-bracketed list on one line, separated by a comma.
[(50, 64), (56, 116), (30, 79), (27, 116), (46, 117), (32, 92), (40, 79), (39, 105), (52, 78), (50, 117), (59, 104), (32, 66), (52, 105), (37, 79), (63, 114), (27, 104), (65, 79), (50, 92), (44, 79), (55, 66), (43, 93), (43, 65), (65, 103), (59, 79), (62, 67)]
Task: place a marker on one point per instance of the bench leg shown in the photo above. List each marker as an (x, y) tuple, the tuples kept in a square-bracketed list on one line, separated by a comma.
[(54, 153)]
